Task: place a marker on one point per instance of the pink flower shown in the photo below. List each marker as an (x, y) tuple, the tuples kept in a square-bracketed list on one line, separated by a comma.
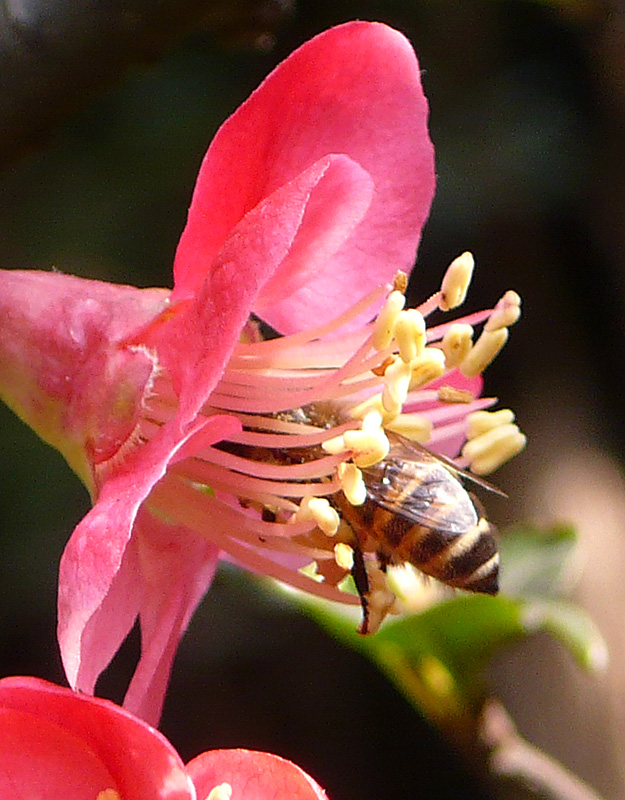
[(55, 743), (310, 199)]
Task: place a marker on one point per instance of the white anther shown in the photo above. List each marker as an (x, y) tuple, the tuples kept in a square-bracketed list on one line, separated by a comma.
[(410, 334), (457, 343), (396, 384), (449, 394), (372, 420), (319, 511), (302, 512), (412, 426), (371, 403), (334, 446), (352, 483), (506, 312), (483, 352), (344, 555), (326, 517), (385, 323), (481, 421), (430, 365), (493, 448), (456, 282), (368, 447), (221, 792), (412, 592)]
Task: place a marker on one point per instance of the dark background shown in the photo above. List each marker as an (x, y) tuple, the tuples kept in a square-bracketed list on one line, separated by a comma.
[(527, 111)]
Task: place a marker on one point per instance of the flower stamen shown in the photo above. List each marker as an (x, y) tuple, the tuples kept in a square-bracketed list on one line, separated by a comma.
[(429, 366), (493, 440), (457, 343), (415, 427), (384, 325), (397, 378), (506, 312), (352, 483), (344, 555), (483, 352), (409, 332), (456, 282), (319, 510)]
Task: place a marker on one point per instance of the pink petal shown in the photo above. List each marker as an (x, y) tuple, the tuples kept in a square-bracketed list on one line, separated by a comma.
[(353, 90), (252, 775), (55, 743), (99, 594), (63, 369), (195, 343), (175, 569)]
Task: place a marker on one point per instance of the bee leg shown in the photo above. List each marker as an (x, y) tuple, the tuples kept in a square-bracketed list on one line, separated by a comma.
[(361, 580), (383, 560)]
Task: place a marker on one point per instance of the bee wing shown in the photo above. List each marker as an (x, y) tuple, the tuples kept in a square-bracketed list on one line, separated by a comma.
[(404, 448), (415, 484)]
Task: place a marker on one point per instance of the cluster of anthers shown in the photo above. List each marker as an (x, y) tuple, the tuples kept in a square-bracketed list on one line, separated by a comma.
[(316, 408)]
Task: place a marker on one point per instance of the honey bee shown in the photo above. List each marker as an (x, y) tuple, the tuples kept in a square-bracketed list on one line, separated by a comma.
[(418, 511)]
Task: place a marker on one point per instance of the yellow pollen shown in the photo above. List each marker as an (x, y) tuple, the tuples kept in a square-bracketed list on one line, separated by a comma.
[(457, 343), (430, 365), (481, 421), (449, 394), (400, 281), (411, 426), (319, 511), (381, 600), (491, 449), (221, 792), (352, 483), (381, 368), (456, 282), (373, 403), (325, 516), (396, 384), (506, 312), (385, 323), (109, 794), (410, 334), (343, 555), (368, 447), (334, 446), (483, 352), (372, 420)]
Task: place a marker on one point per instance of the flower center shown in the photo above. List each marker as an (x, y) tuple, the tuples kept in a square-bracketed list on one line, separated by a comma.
[(327, 415)]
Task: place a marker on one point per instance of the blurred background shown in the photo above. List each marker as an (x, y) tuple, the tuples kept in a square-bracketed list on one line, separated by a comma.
[(527, 116)]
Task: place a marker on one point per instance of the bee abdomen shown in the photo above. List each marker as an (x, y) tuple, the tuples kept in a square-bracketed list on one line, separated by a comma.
[(468, 561)]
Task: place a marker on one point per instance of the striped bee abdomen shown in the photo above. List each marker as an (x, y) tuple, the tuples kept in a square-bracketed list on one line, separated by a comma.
[(466, 559)]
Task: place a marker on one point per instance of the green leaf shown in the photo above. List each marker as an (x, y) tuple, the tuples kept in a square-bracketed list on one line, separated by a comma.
[(572, 626), (438, 658), (536, 561)]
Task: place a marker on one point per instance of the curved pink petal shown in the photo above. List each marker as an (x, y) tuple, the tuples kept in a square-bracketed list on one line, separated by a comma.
[(63, 367), (195, 344), (253, 775), (55, 743), (99, 594), (353, 90), (175, 569)]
